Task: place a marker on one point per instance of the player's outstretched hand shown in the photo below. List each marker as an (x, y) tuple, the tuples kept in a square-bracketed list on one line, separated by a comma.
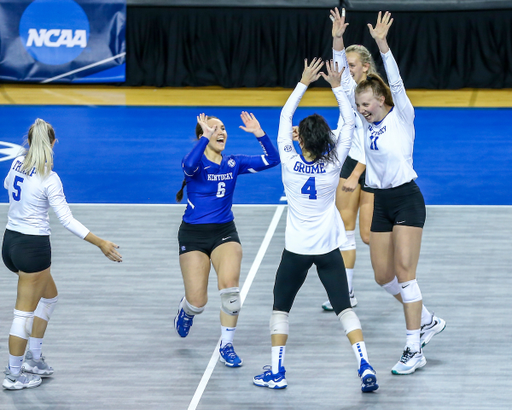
[(384, 22), (109, 249), (311, 71), (333, 76), (251, 124), (207, 130), (338, 22)]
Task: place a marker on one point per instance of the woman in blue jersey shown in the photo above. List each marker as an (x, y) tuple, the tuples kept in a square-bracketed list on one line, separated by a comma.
[(33, 188), (399, 208), (208, 233), (314, 229)]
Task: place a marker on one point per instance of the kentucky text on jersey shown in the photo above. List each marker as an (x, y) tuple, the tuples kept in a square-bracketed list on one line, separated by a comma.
[(221, 177), (309, 169)]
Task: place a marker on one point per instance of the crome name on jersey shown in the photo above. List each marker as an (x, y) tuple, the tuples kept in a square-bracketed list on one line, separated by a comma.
[(309, 169), (220, 177), (17, 167)]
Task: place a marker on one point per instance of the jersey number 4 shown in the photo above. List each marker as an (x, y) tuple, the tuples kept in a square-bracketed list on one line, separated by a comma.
[(17, 195), (309, 188)]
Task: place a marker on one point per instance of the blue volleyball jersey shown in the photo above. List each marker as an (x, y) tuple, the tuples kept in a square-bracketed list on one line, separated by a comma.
[(210, 186)]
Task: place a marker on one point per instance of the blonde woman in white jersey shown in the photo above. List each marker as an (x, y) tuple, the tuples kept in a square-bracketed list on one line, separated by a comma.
[(314, 229), (399, 209), (353, 197), (33, 188)]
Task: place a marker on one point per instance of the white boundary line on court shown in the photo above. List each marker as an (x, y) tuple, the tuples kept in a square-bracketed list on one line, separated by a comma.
[(245, 290), (49, 80), (266, 205)]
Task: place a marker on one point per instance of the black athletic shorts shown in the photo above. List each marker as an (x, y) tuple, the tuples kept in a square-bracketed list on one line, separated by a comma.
[(402, 205), (205, 237), (26, 253), (293, 270), (348, 168)]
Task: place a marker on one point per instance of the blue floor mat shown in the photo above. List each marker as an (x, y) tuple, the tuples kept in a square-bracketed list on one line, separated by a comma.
[(133, 154)]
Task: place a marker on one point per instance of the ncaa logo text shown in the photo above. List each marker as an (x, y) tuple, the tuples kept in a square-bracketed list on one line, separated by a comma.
[(56, 38), (54, 32)]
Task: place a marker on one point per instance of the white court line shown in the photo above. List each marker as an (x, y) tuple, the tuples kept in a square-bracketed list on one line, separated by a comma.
[(48, 80), (245, 290)]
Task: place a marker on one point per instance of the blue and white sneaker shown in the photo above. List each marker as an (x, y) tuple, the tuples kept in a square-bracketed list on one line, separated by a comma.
[(429, 330), (229, 357), (20, 381), (409, 362), (39, 367), (272, 381), (368, 377), (183, 322)]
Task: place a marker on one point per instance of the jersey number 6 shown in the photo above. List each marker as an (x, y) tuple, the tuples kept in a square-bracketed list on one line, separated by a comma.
[(309, 188), (17, 195), (221, 189)]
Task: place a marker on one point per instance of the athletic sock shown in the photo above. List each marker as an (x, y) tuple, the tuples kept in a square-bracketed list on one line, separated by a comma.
[(350, 276), (277, 358), (35, 346), (426, 316), (360, 352), (15, 363), (227, 335), (413, 339)]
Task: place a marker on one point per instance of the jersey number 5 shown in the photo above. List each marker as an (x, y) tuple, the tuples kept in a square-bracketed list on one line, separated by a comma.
[(221, 189), (17, 195), (309, 188)]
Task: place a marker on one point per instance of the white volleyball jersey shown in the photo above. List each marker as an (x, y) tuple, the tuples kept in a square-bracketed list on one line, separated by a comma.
[(314, 225), (389, 143), (30, 197), (349, 86)]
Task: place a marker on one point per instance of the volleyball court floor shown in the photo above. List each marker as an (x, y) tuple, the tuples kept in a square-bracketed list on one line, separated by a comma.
[(111, 339)]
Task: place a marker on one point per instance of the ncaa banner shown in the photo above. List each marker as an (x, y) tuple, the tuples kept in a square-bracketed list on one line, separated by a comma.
[(64, 41)]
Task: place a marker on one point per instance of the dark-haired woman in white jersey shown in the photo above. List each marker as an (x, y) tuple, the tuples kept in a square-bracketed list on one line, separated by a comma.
[(314, 229), (399, 209), (33, 188)]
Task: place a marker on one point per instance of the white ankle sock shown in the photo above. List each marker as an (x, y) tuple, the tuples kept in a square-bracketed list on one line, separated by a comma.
[(35, 346), (426, 316), (350, 276), (277, 358), (360, 352), (413, 339), (15, 363), (227, 335)]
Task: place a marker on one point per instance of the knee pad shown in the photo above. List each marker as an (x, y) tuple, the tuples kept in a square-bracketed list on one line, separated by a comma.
[(350, 244), (230, 301), (190, 309), (45, 308), (349, 320), (393, 287), (19, 327), (279, 324), (410, 291)]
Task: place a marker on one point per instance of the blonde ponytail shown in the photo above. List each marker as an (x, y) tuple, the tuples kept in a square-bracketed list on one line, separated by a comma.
[(40, 153)]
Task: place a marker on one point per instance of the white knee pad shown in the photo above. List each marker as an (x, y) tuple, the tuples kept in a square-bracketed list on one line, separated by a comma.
[(350, 244), (279, 324), (393, 287), (190, 309), (349, 320), (410, 291), (45, 308), (19, 326), (230, 301)]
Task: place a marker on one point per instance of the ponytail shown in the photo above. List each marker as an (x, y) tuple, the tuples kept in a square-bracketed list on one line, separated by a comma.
[(179, 194), (378, 86), (40, 153)]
